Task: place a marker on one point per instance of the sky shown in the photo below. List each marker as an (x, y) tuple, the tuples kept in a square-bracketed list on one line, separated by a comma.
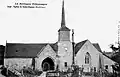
[(95, 20)]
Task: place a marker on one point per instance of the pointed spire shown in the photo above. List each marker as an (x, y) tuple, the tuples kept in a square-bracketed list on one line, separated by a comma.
[(63, 27), (63, 15)]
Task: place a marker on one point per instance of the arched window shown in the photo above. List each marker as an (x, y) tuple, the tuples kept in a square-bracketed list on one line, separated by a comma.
[(87, 58)]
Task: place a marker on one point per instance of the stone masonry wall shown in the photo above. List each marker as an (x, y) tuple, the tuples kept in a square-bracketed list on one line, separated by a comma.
[(17, 63)]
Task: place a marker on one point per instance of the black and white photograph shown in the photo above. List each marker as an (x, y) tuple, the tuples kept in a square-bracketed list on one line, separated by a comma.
[(59, 38)]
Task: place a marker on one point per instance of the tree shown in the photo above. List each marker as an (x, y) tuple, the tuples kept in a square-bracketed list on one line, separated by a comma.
[(116, 57)]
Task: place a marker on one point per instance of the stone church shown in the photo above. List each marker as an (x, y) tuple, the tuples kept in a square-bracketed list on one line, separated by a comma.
[(47, 56)]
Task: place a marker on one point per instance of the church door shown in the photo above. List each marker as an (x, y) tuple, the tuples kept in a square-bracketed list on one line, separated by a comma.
[(47, 64)]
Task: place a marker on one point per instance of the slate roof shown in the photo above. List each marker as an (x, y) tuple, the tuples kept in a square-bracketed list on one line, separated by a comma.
[(23, 50), (96, 45), (64, 29), (108, 56), (79, 45), (54, 46), (28, 50)]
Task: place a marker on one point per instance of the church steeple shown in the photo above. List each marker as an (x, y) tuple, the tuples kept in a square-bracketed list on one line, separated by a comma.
[(63, 16), (64, 42), (63, 25), (63, 32)]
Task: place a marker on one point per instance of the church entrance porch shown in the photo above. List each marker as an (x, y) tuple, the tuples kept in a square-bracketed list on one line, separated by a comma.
[(47, 64)]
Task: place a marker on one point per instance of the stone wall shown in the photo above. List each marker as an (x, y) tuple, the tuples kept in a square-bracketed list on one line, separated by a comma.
[(46, 52), (17, 63), (94, 56), (65, 54)]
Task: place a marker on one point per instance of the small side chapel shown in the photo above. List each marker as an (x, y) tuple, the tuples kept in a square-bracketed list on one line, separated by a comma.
[(46, 56)]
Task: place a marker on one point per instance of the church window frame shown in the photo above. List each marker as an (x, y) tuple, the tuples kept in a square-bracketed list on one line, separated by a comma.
[(87, 58)]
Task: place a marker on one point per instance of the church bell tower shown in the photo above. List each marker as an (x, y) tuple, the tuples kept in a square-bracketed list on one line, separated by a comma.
[(64, 43)]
